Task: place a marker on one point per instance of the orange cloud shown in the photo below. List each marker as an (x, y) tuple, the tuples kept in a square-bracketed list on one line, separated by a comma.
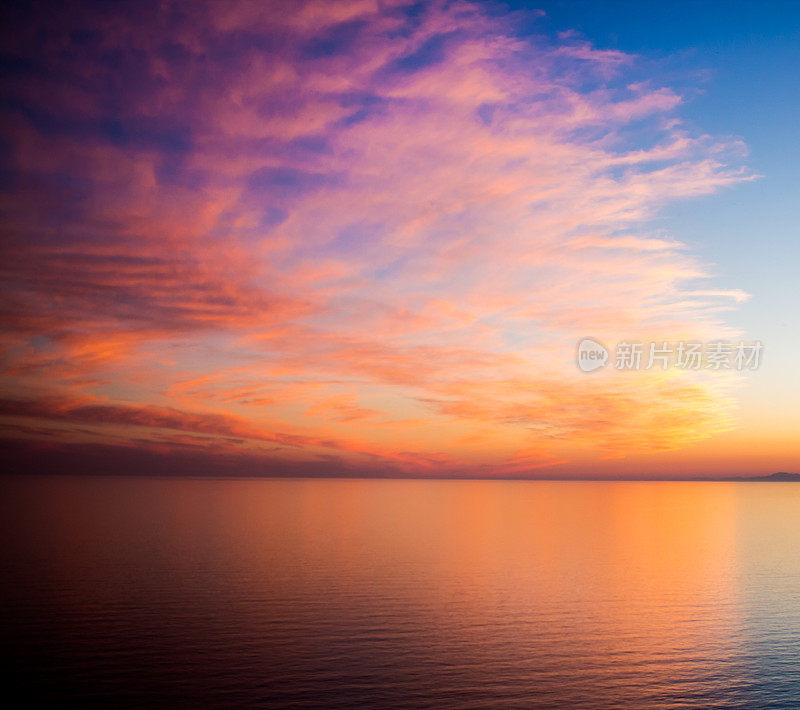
[(368, 237)]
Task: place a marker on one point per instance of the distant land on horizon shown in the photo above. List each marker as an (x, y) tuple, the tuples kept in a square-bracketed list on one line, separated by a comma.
[(780, 476)]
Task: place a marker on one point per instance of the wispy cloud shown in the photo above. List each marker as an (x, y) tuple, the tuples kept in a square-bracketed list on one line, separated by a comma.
[(360, 230)]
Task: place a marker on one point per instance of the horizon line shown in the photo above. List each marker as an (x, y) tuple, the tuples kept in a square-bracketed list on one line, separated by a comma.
[(778, 477)]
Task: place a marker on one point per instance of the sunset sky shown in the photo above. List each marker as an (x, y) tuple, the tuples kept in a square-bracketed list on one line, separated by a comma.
[(365, 237)]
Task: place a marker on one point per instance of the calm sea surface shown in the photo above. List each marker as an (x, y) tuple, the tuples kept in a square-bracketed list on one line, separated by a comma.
[(402, 594)]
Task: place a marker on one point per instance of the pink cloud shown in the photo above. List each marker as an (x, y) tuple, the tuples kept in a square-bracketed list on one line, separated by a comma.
[(377, 235)]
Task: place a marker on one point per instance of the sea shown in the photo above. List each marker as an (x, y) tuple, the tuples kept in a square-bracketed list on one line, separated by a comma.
[(375, 593)]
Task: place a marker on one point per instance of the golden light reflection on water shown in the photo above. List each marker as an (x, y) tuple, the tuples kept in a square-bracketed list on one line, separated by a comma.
[(625, 592)]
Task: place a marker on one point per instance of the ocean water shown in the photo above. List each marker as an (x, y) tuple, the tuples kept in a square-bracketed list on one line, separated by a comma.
[(401, 594)]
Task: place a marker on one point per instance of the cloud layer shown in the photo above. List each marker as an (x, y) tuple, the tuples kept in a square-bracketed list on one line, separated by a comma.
[(357, 235)]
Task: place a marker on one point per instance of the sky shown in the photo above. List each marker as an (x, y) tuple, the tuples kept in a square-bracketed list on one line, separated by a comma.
[(366, 238)]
